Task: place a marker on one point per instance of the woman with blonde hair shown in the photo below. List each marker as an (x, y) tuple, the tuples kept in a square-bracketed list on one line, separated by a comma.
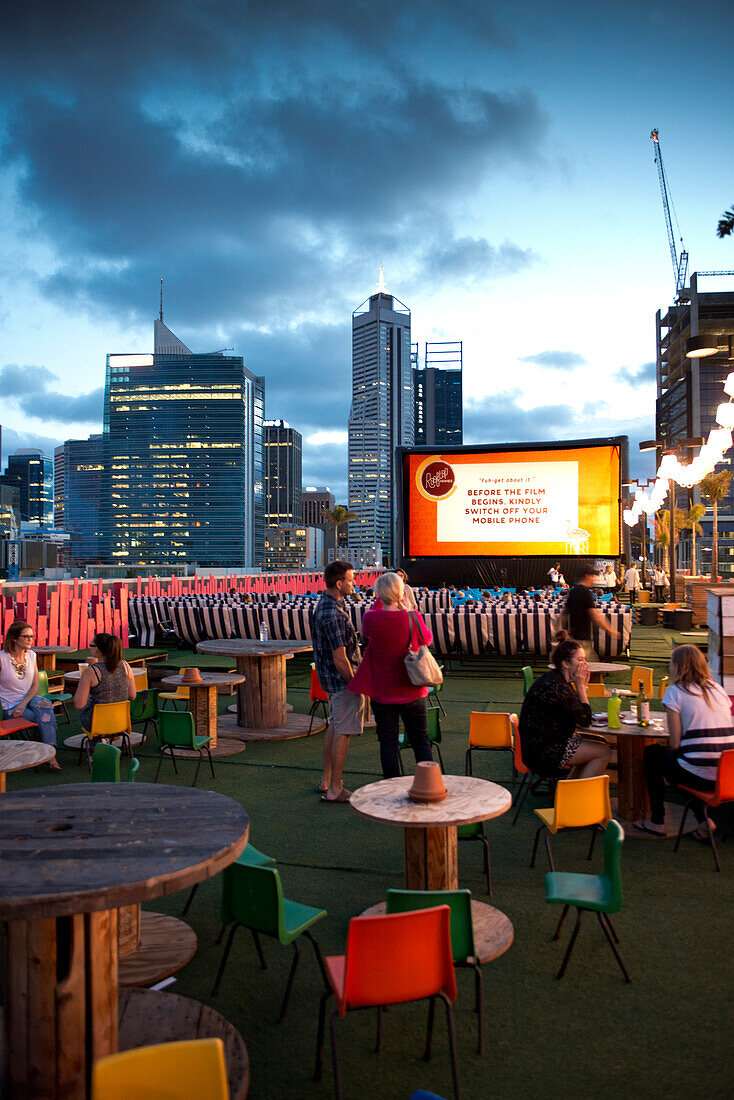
[(699, 730), (382, 674)]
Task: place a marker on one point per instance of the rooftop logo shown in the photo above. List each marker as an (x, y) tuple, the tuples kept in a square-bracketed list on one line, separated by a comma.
[(435, 479)]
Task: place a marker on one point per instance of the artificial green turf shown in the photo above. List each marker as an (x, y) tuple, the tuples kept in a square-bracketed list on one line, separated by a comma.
[(589, 1035)]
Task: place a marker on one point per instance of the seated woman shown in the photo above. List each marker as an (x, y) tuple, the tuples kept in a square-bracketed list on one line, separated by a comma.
[(699, 730), (108, 680), (382, 674), (554, 706), (19, 696)]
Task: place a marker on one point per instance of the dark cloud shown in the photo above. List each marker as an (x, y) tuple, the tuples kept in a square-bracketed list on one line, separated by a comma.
[(638, 376), (469, 260), (16, 440), (32, 390), (556, 360)]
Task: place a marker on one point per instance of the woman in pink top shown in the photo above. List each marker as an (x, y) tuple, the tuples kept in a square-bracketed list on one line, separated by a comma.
[(382, 675)]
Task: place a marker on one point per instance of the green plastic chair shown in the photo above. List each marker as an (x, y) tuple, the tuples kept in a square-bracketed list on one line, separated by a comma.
[(55, 697), (144, 708), (433, 728), (106, 765), (176, 731), (252, 897), (463, 951), (600, 894), (475, 831), (527, 679), (432, 698), (251, 857)]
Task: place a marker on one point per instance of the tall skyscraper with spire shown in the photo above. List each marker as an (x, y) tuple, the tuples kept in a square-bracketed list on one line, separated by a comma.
[(380, 419)]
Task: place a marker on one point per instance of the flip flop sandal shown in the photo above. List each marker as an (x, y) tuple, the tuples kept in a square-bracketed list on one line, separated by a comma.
[(341, 798), (643, 828)]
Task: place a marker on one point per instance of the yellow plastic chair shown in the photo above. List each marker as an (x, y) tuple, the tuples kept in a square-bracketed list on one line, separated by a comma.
[(165, 1071), (661, 687), (180, 695), (489, 731), (579, 804), (639, 672), (110, 720)]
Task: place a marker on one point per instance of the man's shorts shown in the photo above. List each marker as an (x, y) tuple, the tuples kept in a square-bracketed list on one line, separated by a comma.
[(346, 713)]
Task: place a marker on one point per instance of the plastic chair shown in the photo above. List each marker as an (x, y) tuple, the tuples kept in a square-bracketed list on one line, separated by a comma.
[(527, 679), (520, 769), (144, 708), (661, 687), (251, 857), (578, 804), (106, 765), (432, 699), (640, 673), (195, 1067), (389, 960), (463, 950), (722, 792), (597, 691), (475, 831), (176, 731), (108, 720), (319, 698), (600, 894), (252, 897), (433, 729), (16, 725), (58, 698), (489, 731), (180, 695)]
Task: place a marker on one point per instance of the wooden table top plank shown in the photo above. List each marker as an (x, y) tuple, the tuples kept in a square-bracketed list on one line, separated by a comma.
[(657, 729), (208, 679), (17, 755), (469, 800), (78, 848), (251, 647)]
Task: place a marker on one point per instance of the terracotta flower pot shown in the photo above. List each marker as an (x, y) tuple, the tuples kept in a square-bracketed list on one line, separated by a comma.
[(191, 676), (428, 784)]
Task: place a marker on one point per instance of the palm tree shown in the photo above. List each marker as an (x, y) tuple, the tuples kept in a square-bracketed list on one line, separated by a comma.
[(714, 487), (336, 517), (726, 224), (662, 529), (691, 524)]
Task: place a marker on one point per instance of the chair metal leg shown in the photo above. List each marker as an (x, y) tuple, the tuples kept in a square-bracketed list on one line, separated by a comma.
[(452, 1045), (158, 769), (559, 926), (211, 765), (429, 1030), (225, 956), (487, 864), (610, 941), (222, 930), (686, 808), (440, 704), (173, 757), (479, 1005), (198, 765), (335, 1057), (259, 949), (571, 942), (594, 830), (538, 831), (378, 1035), (610, 926), (549, 852), (320, 1035), (440, 758), (289, 986), (712, 841), (522, 794), (467, 763), (319, 958), (189, 899)]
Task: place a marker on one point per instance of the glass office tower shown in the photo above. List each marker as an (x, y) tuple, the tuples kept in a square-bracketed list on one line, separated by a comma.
[(35, 475), (437, 388), (282, 463), (184, 458), (79, 480)]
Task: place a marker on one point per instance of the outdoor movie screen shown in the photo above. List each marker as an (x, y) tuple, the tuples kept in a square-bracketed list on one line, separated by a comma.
[(510, 503)]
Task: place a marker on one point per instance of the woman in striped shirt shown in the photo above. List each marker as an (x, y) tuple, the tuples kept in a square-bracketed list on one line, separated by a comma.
[(699, 730)]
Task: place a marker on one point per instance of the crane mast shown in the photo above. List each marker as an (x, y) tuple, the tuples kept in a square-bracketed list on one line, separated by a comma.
[(680, 262)]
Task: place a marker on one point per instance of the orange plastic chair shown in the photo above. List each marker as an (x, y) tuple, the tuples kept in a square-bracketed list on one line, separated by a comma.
[(520, 769), (389, 960), (597, 691), (578, 804), (722, 792), (640, 673), (319, 698), (180, 695), (661, 687), (488, 732)]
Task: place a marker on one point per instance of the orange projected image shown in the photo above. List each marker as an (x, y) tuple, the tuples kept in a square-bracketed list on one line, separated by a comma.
[(540, 502)]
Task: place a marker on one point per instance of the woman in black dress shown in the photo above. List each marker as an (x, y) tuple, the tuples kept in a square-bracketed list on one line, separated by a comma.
[(554, 706)]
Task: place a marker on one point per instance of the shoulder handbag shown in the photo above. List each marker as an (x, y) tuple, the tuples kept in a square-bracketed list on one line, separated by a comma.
[(420, 664)]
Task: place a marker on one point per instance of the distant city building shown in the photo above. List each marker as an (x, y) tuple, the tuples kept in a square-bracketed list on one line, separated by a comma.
[(381, 416), (437, 391), (282, 462), (80, 480), (688, 393), (314, 500), (361, 557), (35, 474), (183, 433), (289, 549)]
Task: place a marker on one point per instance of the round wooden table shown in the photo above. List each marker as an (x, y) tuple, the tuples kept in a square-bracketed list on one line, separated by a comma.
[(493, 930), (261, 696), (46, 655), (70, 856), (600, 669), (203, 699), (430, 828), (15, 756), (76, 676)]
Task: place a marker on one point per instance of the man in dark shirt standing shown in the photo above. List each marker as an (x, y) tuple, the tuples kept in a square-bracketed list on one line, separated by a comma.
[(581, 612), (336, 656)]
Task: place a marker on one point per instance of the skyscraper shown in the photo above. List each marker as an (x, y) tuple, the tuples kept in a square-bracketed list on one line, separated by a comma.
[(282, 461), (79, 481), (35, 473), (437, 388), (183, 433), (381, 417)]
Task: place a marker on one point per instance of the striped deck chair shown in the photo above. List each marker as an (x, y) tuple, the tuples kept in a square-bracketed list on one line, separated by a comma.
[(300, 623), (443, 629), (505, 631), (187, 622), (245, 620), (472, 632), (537, 628), (277, 620), (216, 621), (144, 620)]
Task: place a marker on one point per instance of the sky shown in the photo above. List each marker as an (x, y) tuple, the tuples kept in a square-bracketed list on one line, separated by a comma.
[(265, 156)]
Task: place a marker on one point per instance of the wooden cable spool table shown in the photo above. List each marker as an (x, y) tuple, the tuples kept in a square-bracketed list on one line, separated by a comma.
[(46, 656), (70, 857), (203, 707), (15, 756), (261, 697)]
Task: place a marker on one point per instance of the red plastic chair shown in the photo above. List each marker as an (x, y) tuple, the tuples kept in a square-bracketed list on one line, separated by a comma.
[(319, 698), (16, 725), (520, 769), (392, 959), (722, 792)]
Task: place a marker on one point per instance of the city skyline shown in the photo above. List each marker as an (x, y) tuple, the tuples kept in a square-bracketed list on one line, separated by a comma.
[(243, 158)]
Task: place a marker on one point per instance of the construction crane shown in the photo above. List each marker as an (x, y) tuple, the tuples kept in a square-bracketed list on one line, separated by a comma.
[(680, 261)]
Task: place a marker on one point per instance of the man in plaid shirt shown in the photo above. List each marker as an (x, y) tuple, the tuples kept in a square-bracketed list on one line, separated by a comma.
[(336, 656)]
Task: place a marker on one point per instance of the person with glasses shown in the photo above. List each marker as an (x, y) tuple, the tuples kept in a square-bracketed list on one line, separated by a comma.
[(19, 696)]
